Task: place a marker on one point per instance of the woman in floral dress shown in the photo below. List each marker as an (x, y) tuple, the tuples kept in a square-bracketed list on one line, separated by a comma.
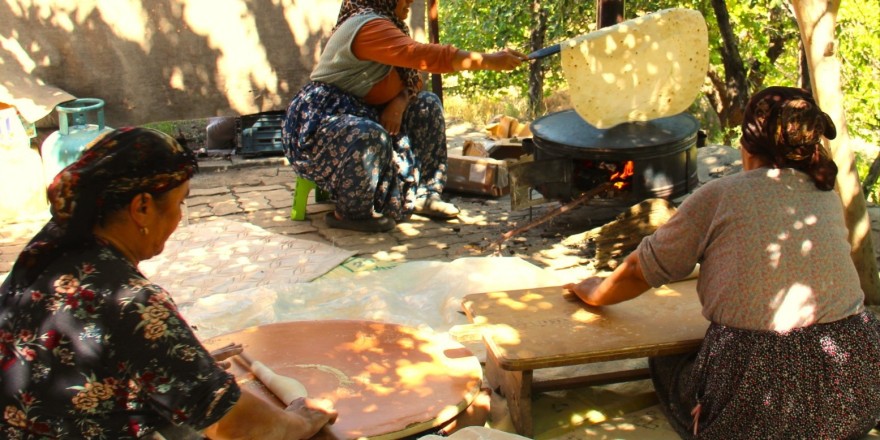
[(362, 128), (89, 348)]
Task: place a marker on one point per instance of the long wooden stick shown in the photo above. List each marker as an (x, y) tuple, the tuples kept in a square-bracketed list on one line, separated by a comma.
[(585, 197)]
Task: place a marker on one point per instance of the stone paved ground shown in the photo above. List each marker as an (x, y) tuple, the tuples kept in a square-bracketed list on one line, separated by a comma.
[(258, 191)]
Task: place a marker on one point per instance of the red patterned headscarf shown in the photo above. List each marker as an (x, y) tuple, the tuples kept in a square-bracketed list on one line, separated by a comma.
[(112, 170), (786, 126), (385, 8)]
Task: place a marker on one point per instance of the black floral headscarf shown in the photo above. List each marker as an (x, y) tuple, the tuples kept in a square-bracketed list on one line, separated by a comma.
[(112, 170), (385, 8), (786, 126)]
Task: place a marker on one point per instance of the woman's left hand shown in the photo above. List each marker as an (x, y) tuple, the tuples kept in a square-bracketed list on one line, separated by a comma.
[(223, 353), (392, 114)]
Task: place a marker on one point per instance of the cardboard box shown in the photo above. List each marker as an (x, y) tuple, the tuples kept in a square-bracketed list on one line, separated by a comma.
[(483, 175), (477, 175)]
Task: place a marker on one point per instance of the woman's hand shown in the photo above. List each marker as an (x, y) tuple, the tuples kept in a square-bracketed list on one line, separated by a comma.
[(314, 413), (625, 283), (507, 59), (585, 288), (392, 115), (223, 353)]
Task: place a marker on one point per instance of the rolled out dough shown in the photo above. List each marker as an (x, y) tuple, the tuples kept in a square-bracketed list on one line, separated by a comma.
[(637, 70)]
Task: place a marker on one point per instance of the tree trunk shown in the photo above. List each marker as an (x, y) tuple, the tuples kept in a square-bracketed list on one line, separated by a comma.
[(817, 20), (536, 68), (736, 90)]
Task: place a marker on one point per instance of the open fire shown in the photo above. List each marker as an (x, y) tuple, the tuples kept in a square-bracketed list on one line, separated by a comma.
[(642, 160), (589, 174)]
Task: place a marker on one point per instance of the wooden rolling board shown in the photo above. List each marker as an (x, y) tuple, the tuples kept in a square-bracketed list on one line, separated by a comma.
[(387, 381), (549, 327)]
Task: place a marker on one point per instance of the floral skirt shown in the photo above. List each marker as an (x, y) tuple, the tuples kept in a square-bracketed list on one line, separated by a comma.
[(816, 382), (334, 139)]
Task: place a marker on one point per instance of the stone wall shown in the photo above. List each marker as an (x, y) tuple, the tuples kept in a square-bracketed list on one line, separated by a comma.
[(159, 60)]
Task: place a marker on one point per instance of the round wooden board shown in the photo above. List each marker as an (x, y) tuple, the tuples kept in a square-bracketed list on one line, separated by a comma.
[(387, 381)]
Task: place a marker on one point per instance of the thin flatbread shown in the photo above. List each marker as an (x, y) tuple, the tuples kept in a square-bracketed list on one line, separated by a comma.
[(637, 70)]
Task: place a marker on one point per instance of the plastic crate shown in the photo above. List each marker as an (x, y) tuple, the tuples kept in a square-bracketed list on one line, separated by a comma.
[(260, 133)]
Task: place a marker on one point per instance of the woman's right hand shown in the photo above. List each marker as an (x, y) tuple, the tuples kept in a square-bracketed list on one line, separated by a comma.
[(507, 59), (314, 413)]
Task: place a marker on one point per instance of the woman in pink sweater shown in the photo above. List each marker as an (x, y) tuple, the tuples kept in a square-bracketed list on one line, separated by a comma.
[(791, 352)]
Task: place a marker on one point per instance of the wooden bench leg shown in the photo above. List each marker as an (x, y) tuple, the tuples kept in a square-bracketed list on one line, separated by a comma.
[(516, 387)]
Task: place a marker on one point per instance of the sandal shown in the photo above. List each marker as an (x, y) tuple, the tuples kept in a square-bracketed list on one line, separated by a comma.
[(435, 208), (375, 224)]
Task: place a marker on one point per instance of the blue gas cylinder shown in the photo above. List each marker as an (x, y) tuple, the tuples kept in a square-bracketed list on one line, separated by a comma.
[(64, 146)]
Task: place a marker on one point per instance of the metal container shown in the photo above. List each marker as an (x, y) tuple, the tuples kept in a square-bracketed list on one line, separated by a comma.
[(63, 147), (571, 157)]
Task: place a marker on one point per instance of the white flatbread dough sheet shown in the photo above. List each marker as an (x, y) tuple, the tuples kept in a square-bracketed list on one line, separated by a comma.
[(637, 70)]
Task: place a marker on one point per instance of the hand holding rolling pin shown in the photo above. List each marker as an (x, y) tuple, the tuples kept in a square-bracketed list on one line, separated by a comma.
[(222, 354), (292, 393)]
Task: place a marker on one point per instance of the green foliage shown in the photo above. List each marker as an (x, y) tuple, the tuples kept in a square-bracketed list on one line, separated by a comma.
[(488, 25), (859, 52)]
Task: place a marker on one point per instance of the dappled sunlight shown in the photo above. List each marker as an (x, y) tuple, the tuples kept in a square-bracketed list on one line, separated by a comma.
[(378, 375), (12, 47), (234, 34), (665, 291), (473, 218), (224, 256), (63, 14), (409, 228), (522, 302), (363, 342), (592, 417), (170, 60), (584, 316), (127, 19), (504, 335), (795, 307), (307, 18), (388, 256), (837, 354)]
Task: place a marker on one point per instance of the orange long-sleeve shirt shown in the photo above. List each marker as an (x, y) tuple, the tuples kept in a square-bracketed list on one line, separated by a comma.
[(382, 42)]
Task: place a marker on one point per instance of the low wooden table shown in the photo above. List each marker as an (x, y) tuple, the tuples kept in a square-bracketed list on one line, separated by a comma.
[(387, 381), (526, 330)]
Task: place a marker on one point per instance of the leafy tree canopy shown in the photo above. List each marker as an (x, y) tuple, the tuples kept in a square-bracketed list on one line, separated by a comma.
[(766, 31)]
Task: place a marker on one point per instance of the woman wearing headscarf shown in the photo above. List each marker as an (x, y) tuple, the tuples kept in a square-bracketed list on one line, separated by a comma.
[(363, 130), (790, 351), (89, 348)]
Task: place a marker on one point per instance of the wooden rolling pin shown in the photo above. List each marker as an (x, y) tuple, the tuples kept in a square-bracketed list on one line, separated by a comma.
[(286, 389)]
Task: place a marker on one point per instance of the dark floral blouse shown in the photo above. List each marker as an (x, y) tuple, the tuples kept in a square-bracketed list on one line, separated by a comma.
[(92, 349)]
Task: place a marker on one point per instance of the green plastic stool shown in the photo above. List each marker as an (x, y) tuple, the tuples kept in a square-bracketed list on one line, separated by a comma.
[(301, 197)]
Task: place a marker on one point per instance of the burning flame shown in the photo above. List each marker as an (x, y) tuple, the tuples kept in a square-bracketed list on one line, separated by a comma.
[(621, 178)]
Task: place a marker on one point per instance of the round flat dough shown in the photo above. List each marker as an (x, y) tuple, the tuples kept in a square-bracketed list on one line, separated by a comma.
[(637, 70)]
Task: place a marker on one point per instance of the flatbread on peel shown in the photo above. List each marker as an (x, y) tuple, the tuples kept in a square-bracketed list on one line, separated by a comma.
[(637, 70)]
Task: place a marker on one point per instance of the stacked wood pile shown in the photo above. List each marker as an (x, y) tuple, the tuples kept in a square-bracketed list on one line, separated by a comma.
[(610, 243)]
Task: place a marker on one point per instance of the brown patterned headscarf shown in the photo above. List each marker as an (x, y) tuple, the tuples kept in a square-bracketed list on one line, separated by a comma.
[(112, 170), (786, 126), (385, 8)]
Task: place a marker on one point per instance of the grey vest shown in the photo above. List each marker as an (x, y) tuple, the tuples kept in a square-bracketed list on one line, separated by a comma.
[(339, 67)]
